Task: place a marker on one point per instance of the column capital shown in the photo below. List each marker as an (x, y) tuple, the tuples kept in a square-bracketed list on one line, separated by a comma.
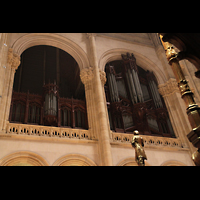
[(13, 59), (86, 75), (168, 88), (89, 35), (102, 76)]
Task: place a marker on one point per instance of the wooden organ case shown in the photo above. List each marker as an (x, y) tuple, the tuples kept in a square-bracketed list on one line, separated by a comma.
[(133, 100), (48, 109)]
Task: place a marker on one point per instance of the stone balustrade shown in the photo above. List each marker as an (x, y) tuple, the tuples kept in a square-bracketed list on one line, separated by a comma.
[(149, 141), (117, 138), (47, 131)]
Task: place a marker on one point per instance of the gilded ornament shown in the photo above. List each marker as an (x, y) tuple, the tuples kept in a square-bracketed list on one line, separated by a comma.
[(138, 144)]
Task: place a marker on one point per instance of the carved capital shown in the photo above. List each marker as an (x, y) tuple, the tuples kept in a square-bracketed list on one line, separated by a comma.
[(13, 59), (16, 61), (86, 75), (89, 35), (102, 77), (168, 88)]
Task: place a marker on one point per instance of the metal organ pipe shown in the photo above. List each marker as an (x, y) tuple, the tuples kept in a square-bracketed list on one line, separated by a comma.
[(138, 86), (116, 93), (157, 94), (113, 87), (131, 87)]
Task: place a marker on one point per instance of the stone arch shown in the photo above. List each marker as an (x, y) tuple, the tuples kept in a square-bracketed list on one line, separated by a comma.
[(173, 163), (74, 160), (142, 61), (34, 39), (130, 162), (23, 158)]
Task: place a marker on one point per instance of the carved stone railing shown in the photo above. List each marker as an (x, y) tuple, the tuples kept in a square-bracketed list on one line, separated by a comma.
[(149, 141), (47, 131)]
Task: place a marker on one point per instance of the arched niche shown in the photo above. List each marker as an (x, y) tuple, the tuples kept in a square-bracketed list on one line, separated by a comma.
[(74, 160), (23, 158)]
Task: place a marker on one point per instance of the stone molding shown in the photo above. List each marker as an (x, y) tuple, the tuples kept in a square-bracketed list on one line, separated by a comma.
[(23, 157), (74, 160), (168, 88)]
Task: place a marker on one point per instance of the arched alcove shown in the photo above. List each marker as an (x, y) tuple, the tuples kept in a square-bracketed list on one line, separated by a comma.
[(48, 89), (23, 158), (74, 160)]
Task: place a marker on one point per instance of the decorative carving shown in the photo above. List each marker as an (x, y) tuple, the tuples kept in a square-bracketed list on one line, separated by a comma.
[(129, 61), (184, 87), (168, 88), (86, 75), (47, 131), (13, 59), (89, 35), (170, 53), (102, 76)]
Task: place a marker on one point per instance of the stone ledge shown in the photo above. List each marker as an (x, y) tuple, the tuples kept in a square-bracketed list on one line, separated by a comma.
[(162, 143), (46, 133)]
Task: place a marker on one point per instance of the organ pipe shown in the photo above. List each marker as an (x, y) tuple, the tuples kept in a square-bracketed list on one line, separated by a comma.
[(114, 94), (138, 86)]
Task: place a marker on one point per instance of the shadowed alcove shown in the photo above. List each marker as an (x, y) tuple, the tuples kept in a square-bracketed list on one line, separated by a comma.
[(47, 89)]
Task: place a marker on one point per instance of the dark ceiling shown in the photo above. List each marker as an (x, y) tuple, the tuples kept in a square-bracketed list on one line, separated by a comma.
[(44, 64)]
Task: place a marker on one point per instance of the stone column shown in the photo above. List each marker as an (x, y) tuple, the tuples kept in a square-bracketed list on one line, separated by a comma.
[(13, 62), (87, 76), (100, 112)]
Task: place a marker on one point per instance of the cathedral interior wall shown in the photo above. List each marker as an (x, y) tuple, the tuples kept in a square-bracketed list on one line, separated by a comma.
[(109, 49)]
